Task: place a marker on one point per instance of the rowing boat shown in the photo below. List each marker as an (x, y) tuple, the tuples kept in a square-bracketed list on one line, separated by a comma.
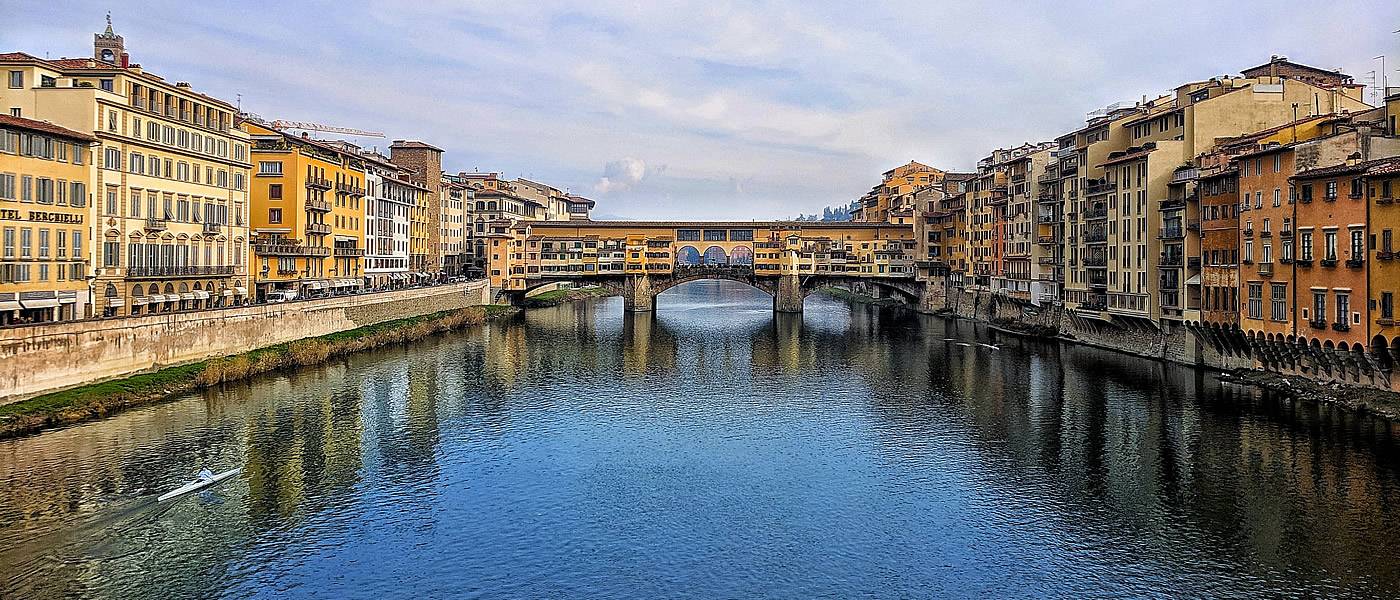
[(197, 485)]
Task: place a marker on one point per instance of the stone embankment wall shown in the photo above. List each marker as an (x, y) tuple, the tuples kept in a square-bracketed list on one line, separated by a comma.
[(42, 358), (1188, 343)]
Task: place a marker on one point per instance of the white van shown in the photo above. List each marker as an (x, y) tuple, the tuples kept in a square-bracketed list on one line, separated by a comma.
[(281, 295)]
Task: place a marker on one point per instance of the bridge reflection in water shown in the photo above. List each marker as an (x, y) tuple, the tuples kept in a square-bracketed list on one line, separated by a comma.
[(640, 259)]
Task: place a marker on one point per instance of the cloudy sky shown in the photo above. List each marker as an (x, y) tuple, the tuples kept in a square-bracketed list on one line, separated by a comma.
[(710, 109)]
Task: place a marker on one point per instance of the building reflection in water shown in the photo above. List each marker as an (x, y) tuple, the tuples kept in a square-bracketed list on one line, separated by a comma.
[(1159, 471)]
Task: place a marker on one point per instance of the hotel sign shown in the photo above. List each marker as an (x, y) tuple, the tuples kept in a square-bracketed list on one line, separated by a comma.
[(40, 216)]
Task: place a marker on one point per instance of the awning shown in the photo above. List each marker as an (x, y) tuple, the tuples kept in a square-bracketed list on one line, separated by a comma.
[(201, 294), (227, 292), (39, 303), (156, 298), (140, 300), (314, 285), (116, 302), (1194, 280), (68, 299), (241, 291), (9, 305), (187, 296)]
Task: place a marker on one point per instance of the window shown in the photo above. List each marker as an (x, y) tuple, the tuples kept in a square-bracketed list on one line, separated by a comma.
[(1319, 306), (269, 167), (1277, 161), (1305, 245), (1278, 196), (274, 215), (1278, 305), (1256, 300), (7, 186), (77, 194), (9, 242), (1330, 245), (1358, 248), (16, 79), (105, 84), (112, 201), (1343, 307), (1387, 305), (112, 159), (111, 254), (1331, 193)]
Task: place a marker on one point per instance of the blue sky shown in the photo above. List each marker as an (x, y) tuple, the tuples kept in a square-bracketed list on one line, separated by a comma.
[(706, 110)]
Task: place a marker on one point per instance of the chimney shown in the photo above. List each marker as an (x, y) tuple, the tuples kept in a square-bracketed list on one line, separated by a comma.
[(1353, 159)]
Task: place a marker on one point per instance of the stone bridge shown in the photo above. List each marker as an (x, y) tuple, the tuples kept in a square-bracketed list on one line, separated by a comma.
[(639, 291), (641, 259)]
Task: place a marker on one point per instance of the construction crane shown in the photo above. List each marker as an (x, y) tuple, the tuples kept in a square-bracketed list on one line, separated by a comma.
[(279, 124)]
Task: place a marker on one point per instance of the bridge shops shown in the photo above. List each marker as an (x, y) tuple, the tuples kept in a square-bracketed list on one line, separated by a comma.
[(643, 258)]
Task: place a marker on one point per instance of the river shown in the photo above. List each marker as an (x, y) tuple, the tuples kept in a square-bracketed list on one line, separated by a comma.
[(712, 449)]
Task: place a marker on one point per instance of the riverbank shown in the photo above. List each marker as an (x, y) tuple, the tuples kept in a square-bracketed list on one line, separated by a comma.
[(560, 296), (1365, 400), (98, 400)]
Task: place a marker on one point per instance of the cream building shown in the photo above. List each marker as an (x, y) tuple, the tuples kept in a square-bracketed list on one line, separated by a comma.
[(169, 177)]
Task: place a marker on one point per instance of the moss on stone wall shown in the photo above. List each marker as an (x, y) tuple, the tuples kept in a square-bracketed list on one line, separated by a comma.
[(100, 399)]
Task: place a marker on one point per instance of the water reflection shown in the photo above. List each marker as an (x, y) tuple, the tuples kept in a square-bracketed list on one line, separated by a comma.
[(717, 449)]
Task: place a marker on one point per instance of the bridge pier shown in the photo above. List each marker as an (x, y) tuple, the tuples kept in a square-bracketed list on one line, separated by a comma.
[(789, 297), (637, 295)]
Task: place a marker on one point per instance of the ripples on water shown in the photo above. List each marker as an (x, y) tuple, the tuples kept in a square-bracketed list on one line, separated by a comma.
[(714, 450)]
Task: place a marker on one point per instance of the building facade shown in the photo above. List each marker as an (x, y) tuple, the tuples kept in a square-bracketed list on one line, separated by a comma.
[(169, 178), (46, 222)]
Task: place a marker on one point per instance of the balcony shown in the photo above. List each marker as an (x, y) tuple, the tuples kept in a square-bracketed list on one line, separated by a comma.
[(1170, 260), (1049, 260), (344, 251), (1096, 261), (1341, 327), (1100, 187), (1384, 255), (1266, 234), (213, 228), (1328, 262), (288, 249), (1171, 203), (1303, 262), (349, 188), (1284, 260), (1194, 262), (1247, 232), (1047, 198), (155, 224), (319, 183), (1096, 212), (1317, 324), (1096, 237), (1286, 232), (1385, 200), (185, 271), (318, 205), (1385, 321), (1355, 263), (1048, 219), (1046, 240), (318, 228), (1171, 233)]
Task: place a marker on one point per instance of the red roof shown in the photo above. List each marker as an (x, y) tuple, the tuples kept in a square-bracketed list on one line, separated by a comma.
[(44, 127)]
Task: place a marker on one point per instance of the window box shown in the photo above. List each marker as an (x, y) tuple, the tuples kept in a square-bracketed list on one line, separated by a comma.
[(1328, 262), (1341, 327), (1317, 324), (1355, 263)]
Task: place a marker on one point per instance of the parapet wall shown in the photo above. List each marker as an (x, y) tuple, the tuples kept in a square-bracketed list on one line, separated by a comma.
[(1185, 343), (41, 358)]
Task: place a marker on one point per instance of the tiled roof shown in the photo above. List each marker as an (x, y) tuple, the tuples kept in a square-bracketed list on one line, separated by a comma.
[(44, 127), (413, 144), (1344, 169)]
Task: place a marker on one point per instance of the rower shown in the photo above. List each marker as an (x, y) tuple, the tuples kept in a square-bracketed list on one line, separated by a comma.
[(206, 475)]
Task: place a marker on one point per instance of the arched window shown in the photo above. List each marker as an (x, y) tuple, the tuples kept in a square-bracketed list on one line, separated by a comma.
[(111, 291), (687, 255), (714, 255), (742, 255)]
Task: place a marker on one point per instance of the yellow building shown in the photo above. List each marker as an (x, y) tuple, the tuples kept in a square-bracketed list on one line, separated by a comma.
[(45, 221), (169, 178), (893, 200), (307, 214)]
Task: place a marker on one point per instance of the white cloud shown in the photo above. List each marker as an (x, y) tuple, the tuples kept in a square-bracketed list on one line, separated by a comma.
[(621, 175)]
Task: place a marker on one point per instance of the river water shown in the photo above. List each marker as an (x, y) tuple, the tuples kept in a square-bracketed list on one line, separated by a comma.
[(712, 450)]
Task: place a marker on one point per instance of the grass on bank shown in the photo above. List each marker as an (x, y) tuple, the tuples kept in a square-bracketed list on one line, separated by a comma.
[(560, 296), (98, 399)]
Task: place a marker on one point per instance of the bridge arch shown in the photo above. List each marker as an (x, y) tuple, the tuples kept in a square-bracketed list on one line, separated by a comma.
[(741, 255), (715, 255)]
